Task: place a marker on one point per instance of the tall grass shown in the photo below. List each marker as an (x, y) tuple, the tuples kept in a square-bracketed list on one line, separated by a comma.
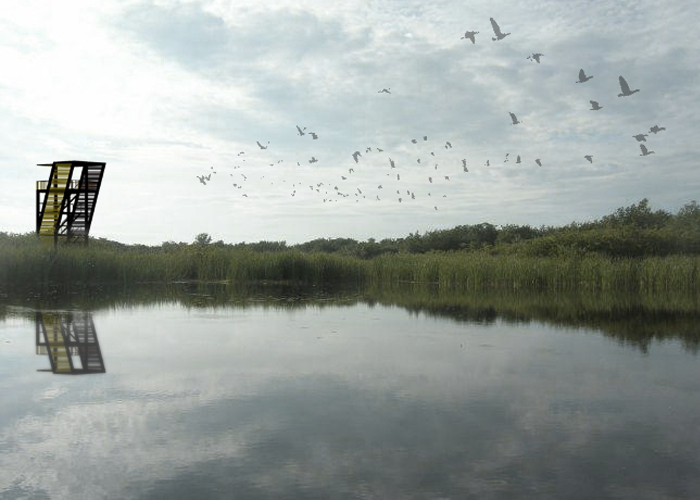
[(29, 264)]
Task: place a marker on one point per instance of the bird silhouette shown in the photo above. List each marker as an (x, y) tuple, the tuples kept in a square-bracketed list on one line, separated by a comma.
[(538, 162), (535, 57), (514, 118), (470, 35), (301, 131), (641, 137), (488, 163), (261, 146), (656, 129), (582, 78), (391, 162), (517, 160), (645, 151), (356, 155), (589, 158), (595, 106), (497, 31), (313, 159), (204, 178), (314, 136), (385, 91), (625, 88), (414, 141)]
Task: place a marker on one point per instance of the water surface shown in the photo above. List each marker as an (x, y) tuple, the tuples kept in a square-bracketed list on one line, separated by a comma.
[(272, 396)]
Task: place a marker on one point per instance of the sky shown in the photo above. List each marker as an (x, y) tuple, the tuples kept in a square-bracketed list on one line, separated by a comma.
[(166, 91)]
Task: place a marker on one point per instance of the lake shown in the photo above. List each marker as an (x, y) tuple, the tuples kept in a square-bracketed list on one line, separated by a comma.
[(213, 392)]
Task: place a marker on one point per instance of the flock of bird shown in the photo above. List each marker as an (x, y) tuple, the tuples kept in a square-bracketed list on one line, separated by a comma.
[(337, 187)]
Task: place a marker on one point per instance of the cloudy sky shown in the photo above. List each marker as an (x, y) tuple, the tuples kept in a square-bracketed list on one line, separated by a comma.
[(165, 91)]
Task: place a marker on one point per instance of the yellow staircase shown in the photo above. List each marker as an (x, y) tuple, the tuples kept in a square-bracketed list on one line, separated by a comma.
[(56, 343), (56, 190)]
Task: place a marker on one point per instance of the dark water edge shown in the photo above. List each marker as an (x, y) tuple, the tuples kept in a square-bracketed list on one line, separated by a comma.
[(636, 319)]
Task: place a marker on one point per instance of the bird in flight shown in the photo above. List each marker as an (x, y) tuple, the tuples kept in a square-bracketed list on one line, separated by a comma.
[(640, 137), (313, 159), (595, 106), (261, 146), (535, 57), (656, 129), (448, 145), (517, 160), (314, 136), (300, 131), (356, 155), (414, 141), (514, 118), (470, 35), (538, 162), (204, 178), (391, 162), (625, 88), (497, 31), (589, 158), (645, 151), (385, 91), (582, 78)]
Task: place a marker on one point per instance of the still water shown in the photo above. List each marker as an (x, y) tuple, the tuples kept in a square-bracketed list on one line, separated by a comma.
[(349, 397)]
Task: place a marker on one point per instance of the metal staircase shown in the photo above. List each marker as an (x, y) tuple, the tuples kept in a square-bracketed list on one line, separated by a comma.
[(65, 207)]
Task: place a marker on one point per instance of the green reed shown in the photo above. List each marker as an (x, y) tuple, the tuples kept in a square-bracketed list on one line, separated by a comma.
[(27, 263)]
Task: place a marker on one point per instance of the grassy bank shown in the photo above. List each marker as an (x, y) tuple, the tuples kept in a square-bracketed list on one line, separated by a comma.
[(26, 263)]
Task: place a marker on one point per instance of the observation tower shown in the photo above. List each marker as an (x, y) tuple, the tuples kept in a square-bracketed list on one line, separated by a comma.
[(66, 202)]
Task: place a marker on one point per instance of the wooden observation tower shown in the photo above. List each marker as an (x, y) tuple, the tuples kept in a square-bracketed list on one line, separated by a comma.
[(66, 202)]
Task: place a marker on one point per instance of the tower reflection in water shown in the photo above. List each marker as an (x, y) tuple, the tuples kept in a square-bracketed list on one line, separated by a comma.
[(70, 341)]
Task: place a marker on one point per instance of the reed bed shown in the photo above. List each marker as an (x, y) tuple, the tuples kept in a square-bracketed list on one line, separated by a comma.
[(31, 265)]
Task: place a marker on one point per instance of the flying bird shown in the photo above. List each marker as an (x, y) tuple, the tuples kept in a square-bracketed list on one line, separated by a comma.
[(497, 31), (518, 159), (656, 129), (356, 155), (391, 162), (470, 35), (301, 131), (261, 146), (314, 136), (535, 57), (514, 118), (385, 91), (313, 159), (582, 78), (625, 88), (414, 141), (203, 178), (589, 158), (645, 151), (641, 137), (538, 162), (595, 106), (448, 145)]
